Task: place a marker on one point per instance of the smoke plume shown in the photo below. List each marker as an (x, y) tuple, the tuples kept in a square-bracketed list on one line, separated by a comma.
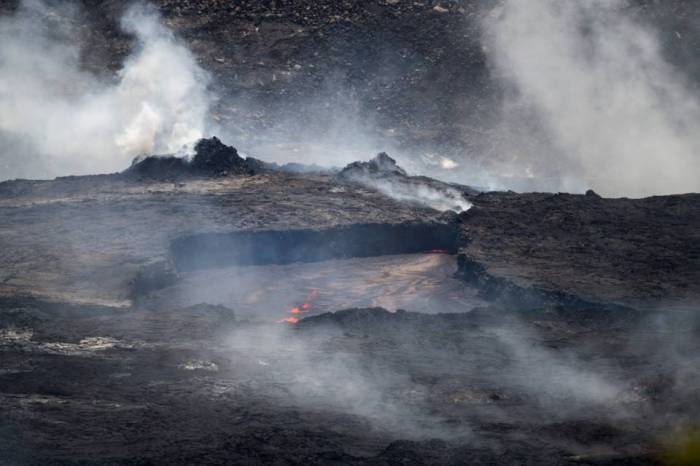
[(56, 118), (443, 198), (591, 100)]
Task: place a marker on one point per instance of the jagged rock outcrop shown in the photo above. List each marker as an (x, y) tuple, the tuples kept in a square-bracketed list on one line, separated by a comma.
[(380, 166), (383, 174), (212, 158)]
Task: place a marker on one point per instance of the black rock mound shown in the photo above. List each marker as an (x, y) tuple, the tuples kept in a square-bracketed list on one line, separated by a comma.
[(211, 158), (379, 167)]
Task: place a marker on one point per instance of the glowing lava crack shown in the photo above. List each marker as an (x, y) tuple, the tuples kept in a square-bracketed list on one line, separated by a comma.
[(301, 309)]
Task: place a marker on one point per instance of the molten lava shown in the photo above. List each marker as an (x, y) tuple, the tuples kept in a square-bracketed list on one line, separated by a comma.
[(301, 309), (289, 320)]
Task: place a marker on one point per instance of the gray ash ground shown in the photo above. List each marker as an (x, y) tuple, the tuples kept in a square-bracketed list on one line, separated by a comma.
[(553, 329), (355, 387)]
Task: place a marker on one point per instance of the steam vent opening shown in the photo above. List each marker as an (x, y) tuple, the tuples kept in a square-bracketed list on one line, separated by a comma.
[(212, 250)]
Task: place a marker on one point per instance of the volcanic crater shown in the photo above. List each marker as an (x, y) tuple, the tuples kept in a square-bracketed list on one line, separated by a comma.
[(247, 314)]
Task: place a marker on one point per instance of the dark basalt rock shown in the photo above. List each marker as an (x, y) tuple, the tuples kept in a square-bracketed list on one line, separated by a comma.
[(577, 249), (211, 250), (158, 166), (212, 158)]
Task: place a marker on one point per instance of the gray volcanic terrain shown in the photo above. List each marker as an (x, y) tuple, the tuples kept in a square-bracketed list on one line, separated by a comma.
[(282, 232), (196, 318)]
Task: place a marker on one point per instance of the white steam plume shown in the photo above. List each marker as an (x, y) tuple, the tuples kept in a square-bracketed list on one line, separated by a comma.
[(441, 199), (57, 119), (593, 102)]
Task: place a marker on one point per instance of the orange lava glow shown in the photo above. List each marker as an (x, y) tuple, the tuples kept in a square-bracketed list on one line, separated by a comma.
[(301, 309), (289, 320)]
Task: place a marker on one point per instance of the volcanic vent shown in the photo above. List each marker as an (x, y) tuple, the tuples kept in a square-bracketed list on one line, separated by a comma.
[(260, 272)]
